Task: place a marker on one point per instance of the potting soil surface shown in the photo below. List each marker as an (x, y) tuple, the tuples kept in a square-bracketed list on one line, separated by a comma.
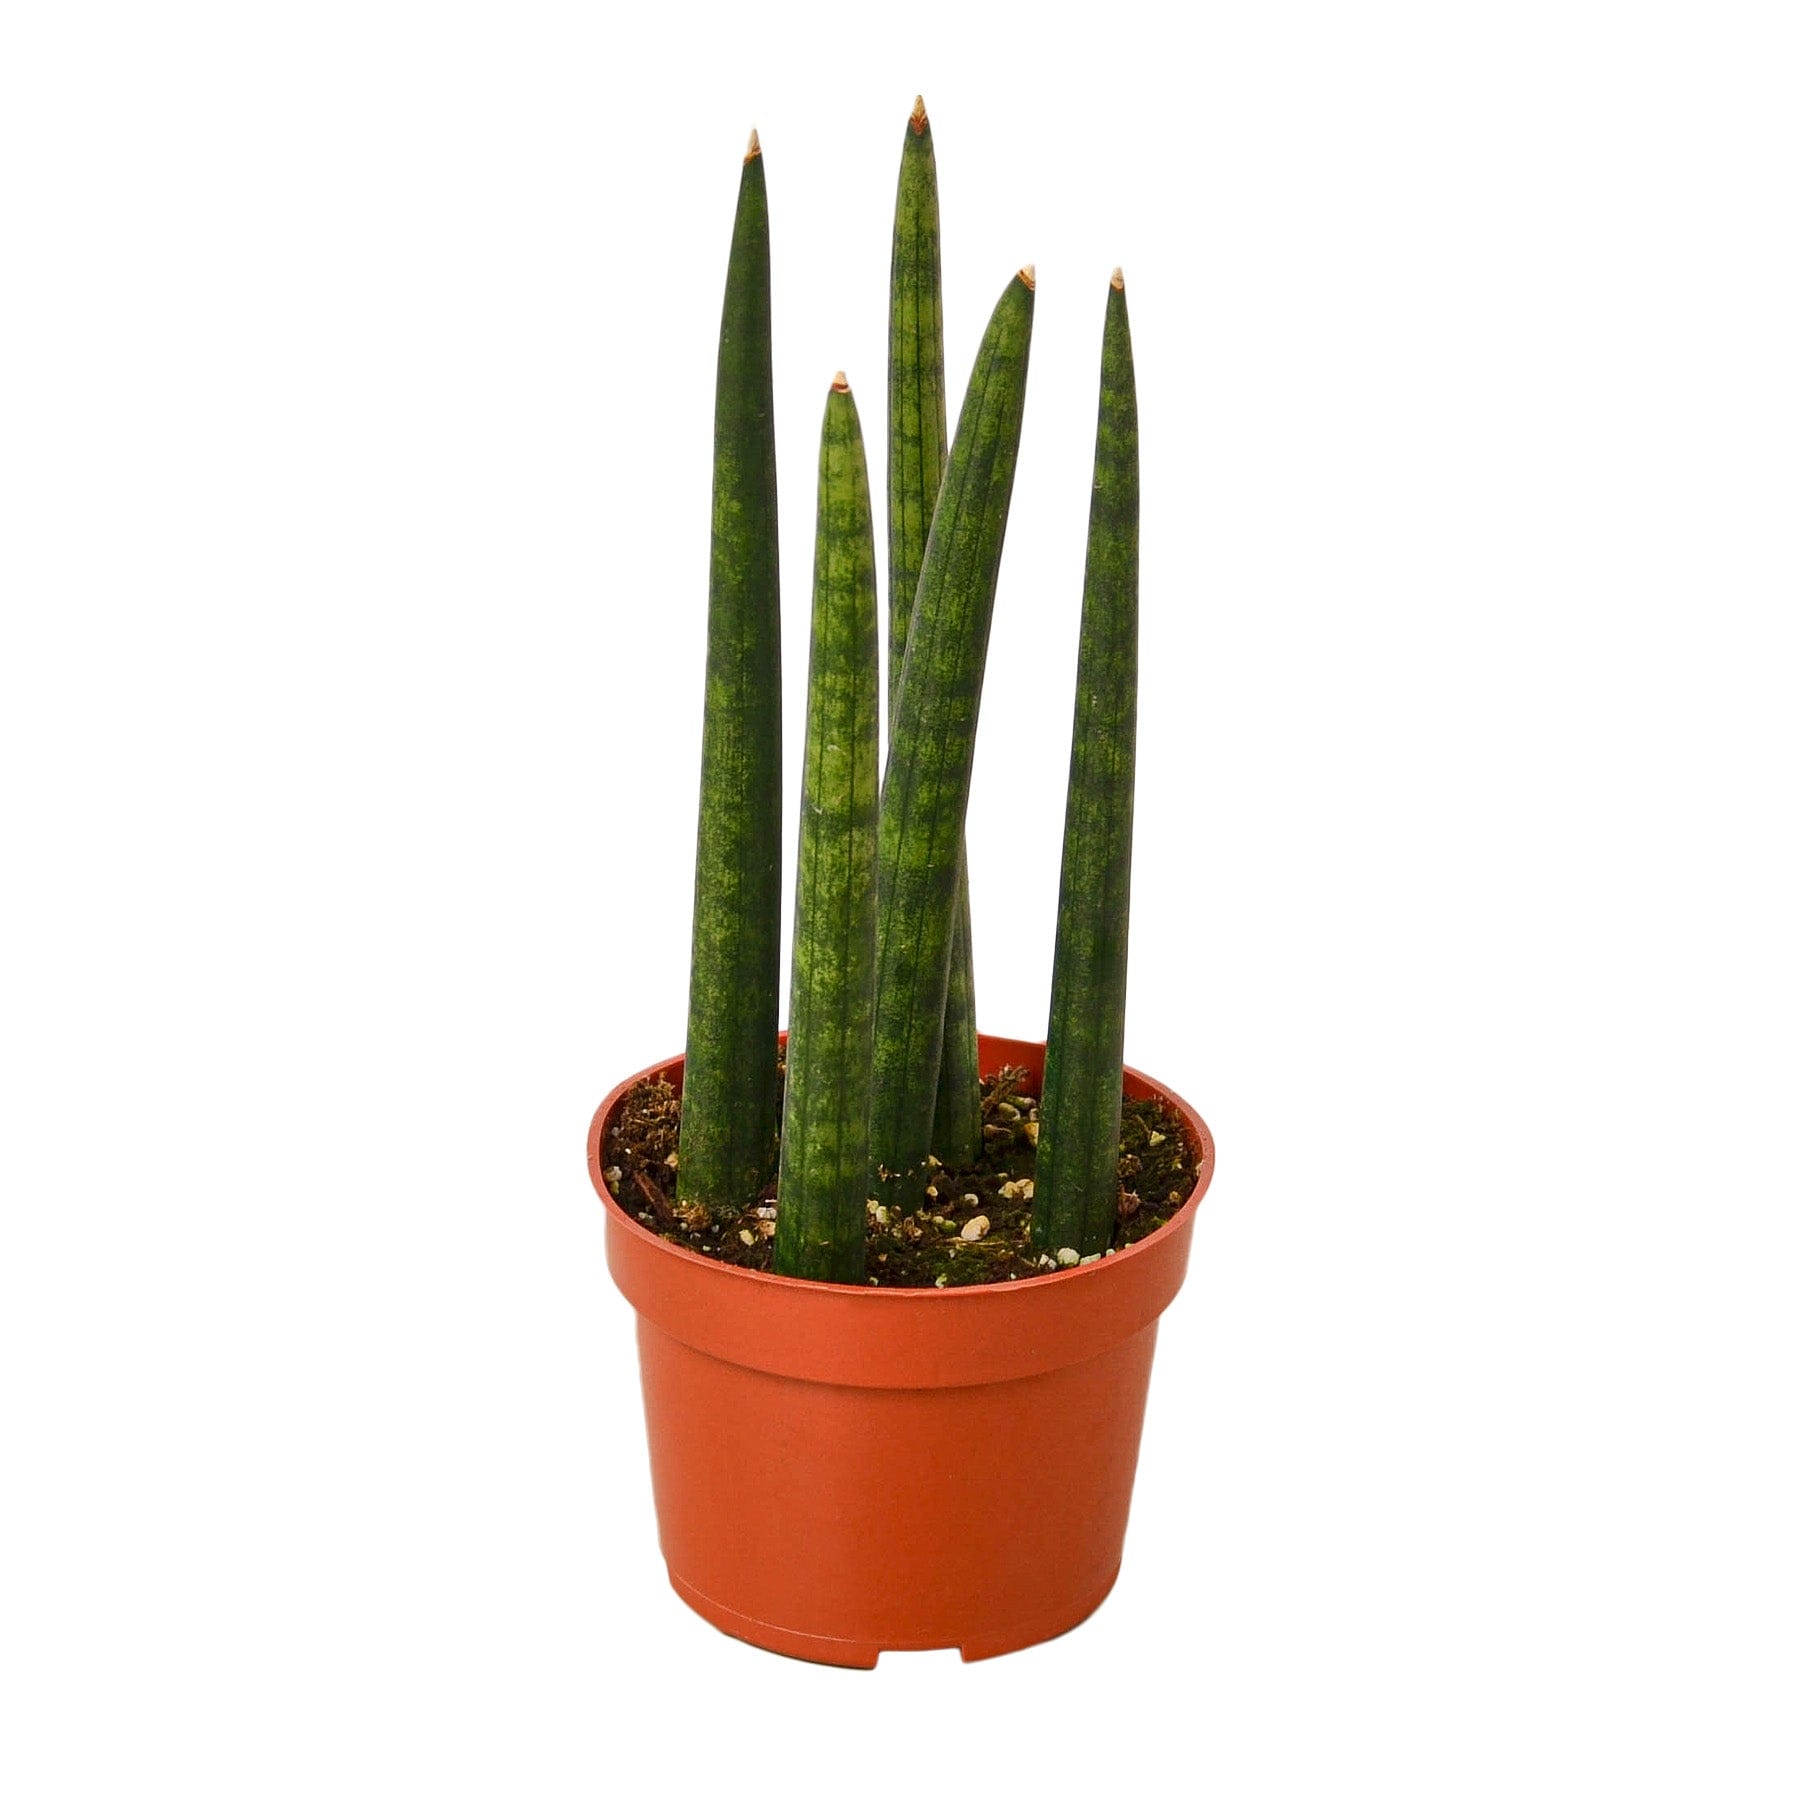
[(976, 1223)]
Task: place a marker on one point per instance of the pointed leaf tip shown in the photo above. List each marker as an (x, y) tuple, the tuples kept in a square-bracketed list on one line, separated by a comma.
[(1028, 275), (1118, 279), (755, 149), (919, 121), (840, 383)]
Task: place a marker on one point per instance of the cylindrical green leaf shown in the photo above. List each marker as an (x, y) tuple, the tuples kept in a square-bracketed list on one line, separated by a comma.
[(728, 1119), (932, 747), (918, 442), (821, 1221), (918, 437), (956, 1111), (1078, 1134)]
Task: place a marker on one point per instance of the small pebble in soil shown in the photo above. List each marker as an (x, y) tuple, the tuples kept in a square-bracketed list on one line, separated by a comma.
[(976, 1228)]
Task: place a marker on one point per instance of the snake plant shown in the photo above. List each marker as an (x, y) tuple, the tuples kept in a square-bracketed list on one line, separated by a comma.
[(931, 748), (825, 1120), (1084, 1050), (882, 1080), (918, 443), (728, 1097)]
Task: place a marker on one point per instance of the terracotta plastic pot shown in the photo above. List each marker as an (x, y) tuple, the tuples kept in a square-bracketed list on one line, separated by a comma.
[(840, 1471)]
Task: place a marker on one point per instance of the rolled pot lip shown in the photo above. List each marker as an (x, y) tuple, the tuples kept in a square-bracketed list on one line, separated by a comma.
[(1008, 1050)]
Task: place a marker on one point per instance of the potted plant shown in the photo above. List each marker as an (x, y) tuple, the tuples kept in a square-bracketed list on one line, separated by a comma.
[(896, 1304)]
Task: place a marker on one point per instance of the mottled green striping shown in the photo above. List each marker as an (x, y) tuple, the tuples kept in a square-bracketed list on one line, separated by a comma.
[(728, 1104), (1078, 1134), (918, 437), (956, 1111), (932, 746), (822, 1221), (918, 442)]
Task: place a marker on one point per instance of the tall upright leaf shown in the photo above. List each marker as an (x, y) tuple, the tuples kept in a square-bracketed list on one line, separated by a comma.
[(728, 1119), (821, 1222), (918, 442), (1084, 1054), (932, 745)]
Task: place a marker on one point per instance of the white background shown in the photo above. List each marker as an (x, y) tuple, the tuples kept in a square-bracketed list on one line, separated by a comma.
[(357, 370)]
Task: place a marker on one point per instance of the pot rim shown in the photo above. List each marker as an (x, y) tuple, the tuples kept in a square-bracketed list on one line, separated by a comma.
[(1006, 1049)]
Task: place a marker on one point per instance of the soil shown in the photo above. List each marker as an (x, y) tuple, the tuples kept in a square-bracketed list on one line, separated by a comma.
[(1157, 1168)]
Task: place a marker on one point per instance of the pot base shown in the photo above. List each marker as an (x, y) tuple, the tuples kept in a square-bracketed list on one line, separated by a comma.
[(846, 1653)]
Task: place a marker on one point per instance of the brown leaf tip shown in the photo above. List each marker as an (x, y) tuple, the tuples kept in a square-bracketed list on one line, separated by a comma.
[(1118, 280), (755, 149), (1028, 275), (840, 383), (919, 120)]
